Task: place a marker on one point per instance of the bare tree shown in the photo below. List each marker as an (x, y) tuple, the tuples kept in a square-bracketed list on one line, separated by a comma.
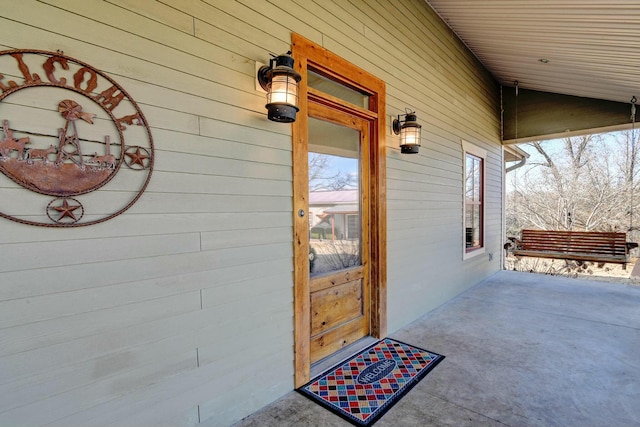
[(627, 143), (587, 184), (322, 176)]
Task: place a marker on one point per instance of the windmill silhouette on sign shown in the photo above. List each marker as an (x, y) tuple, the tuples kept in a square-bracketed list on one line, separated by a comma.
[(69, 144)]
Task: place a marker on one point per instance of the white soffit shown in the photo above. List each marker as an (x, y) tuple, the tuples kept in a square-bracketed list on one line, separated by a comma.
[(592, 46)]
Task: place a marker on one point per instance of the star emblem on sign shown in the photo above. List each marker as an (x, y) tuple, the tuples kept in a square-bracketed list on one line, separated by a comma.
[(137, 157), (67, 210)]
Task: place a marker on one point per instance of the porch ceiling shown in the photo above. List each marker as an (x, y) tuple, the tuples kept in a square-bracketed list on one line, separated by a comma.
[(592, 46)]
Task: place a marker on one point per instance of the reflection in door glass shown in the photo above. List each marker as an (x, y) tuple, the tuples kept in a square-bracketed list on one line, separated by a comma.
[(336, 89), (334, 197)]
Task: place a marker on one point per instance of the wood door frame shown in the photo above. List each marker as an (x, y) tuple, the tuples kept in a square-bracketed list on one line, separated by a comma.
[(308, 53)]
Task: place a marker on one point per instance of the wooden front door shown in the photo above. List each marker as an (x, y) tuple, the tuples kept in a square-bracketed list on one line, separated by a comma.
[(339, 206), (339, 283)]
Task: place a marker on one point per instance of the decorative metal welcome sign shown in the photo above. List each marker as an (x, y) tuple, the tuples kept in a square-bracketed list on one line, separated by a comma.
[(65, 137)]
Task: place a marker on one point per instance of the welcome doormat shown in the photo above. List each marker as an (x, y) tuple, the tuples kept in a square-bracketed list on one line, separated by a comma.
[(364, 387)]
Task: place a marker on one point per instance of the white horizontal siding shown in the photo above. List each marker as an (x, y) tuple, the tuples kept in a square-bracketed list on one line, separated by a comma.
[(179, 311), (453, 102), (179, 330)]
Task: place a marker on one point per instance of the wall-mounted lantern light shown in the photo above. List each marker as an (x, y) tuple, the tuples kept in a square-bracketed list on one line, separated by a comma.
[(282, 84), (409, 131)]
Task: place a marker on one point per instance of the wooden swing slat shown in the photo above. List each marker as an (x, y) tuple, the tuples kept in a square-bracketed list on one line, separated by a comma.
[(574, 245)]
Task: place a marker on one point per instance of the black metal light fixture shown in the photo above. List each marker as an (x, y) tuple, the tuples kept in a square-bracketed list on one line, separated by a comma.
[(409, 131), (282, 84)]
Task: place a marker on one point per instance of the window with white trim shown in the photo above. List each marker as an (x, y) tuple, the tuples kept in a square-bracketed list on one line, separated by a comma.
[(474, 199), (353, 227)]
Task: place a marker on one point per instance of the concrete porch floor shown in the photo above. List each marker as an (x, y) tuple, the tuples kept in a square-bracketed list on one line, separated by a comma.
[(521, 350)]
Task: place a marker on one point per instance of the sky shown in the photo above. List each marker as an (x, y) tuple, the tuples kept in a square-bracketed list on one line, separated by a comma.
[(553, 147)]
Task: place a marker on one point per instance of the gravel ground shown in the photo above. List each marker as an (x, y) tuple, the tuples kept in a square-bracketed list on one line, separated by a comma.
[(583, 270)]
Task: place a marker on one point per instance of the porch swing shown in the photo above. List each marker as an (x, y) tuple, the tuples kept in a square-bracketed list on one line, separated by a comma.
[(594, 246)]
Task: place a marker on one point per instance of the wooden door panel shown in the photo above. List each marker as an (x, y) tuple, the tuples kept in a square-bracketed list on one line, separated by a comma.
[(328, 343), (324, 282), (336, 305)]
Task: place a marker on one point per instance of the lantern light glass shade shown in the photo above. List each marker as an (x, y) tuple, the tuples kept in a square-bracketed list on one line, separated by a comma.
[(410, 136), (410, 133), (282, 84), (283, 89)]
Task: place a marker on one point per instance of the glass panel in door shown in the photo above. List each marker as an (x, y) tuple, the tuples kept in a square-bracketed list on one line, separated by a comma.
[(334, 197)]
